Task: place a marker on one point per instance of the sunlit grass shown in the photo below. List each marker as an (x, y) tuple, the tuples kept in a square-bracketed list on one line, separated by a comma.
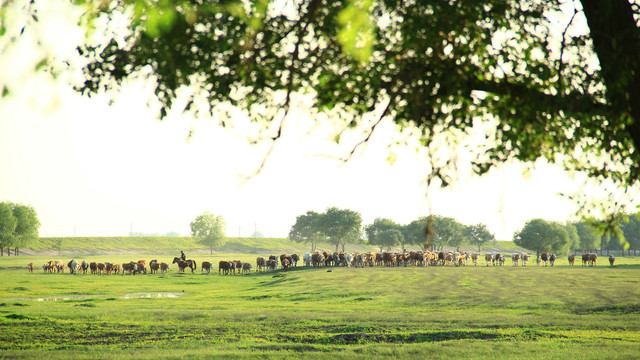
[(433, 312)]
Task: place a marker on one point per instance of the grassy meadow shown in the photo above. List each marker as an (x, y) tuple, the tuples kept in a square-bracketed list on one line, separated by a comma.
[(433, 312)]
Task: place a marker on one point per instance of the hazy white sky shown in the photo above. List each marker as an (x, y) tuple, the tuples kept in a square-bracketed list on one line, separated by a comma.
[(91, 170), (94, 170)]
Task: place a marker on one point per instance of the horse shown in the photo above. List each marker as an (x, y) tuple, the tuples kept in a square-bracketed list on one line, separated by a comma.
[(182, 264)]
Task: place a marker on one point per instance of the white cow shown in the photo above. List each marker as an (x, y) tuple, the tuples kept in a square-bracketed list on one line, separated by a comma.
[(307, 259)]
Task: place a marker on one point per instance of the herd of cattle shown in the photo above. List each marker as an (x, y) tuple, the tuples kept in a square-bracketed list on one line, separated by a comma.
[(317, 259)]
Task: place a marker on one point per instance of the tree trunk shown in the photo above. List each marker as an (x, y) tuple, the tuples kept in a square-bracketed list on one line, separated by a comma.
[(8, 251), (210, 250), (16, 252), (616, 41), (1, 251), (343, 246), (337, 244)]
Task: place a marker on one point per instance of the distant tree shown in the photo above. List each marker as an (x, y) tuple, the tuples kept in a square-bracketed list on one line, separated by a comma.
[(574, 237), (257, 234), (172, 234), (341, 226), (590, 239), (479, 234), (631, 231), (8, 224), (388, 238), (27, 228), (210, 229), (541, 235), (415, 232), (379, 225), (308, 229), (447, 231)]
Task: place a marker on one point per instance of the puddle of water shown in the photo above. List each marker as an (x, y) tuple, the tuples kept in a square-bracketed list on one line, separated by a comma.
[(141, 295), (153, 295)]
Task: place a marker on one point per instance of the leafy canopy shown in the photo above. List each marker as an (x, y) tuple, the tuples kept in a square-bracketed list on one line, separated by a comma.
[(210, 229)]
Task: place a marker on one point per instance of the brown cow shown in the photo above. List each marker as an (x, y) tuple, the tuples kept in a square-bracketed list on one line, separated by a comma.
[(572, 259), (545, 258), (93, 267), (142, 267), (30, 267), (317, 259), (260, 263), (131, 267), (164, 267), (585, 259), (271, 265), (246, 268), (206, 266), (612, 259), (515, 258), (592, 259), (224, 267), (100, 268), (154, 266)]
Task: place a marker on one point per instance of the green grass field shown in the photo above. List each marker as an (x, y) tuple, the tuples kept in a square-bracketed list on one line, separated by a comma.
[(433, 312)]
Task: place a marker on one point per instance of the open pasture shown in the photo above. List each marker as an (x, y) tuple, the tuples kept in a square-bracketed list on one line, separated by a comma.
[(432, 312)]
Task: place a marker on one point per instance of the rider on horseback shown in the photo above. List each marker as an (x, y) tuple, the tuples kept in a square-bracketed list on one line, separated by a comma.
[(182, 256)]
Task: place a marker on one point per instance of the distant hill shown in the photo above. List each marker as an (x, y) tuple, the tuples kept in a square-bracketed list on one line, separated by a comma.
[(173, 245)]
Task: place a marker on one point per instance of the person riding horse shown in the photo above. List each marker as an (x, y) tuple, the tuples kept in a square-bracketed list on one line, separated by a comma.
[(182, 256)]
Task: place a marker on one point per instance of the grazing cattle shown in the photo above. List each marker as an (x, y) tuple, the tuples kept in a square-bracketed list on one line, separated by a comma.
[(317, 259), (552, 259), (206, 266), (525, 258), (246, 268), (260, 262), (474, 259), (612, 259), (191, 264), (107, 268), (379, 260), (593, 258), (117, 269), (224, 267), (306, 258), (585, 259), (488, 257), (30, 267), (237, 266), (294, 260), (545, 258), (73, 266), (59, 266), (164, 267), (154, 266), (272, 264), (285, 263), (100, 268), (499, 259), (515, 258), (142, 268), (572, 259), (94, 267), (131, 267), (84, 266), (358, 260)]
